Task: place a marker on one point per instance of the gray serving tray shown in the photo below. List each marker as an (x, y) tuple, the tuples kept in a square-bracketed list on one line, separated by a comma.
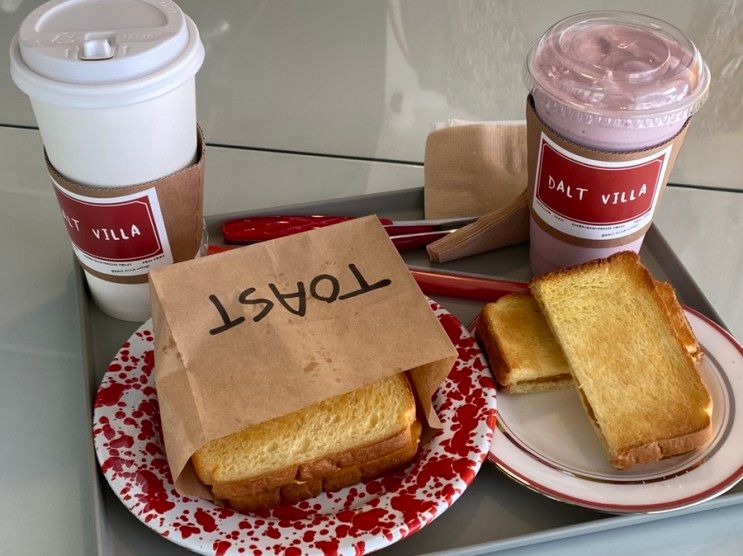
[(495, 513)]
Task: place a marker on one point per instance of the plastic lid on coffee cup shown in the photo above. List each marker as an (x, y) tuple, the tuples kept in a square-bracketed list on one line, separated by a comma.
[(617, 69), (104, 53)]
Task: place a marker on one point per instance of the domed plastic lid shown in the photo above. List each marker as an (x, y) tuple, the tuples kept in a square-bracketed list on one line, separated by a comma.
[(628, 69), (104, 52)]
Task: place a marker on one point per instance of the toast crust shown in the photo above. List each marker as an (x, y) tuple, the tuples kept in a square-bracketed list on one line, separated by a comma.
[(678, 320), (664, 448), (335, 480), (308, 471), (693, 434), (652, 451), (488, 335)]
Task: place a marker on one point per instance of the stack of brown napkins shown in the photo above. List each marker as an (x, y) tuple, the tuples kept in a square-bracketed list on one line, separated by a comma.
[(477, 169)]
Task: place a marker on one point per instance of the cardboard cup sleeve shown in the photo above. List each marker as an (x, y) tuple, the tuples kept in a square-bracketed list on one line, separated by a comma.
[(120, 233), (590, 197)]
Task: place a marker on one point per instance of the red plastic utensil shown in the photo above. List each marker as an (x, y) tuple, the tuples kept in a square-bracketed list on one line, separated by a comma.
[(465, 287), (262, 228), (214, 249), (403, 243)]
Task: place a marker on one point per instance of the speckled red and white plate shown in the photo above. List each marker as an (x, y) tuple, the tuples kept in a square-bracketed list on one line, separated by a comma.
[(356, 520)]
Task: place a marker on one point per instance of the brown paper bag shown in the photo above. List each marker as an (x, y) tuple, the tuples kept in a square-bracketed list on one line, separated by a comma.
[(261, 331)]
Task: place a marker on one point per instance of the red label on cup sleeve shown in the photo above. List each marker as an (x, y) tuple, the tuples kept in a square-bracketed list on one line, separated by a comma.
[(122, 235), (596, 199)]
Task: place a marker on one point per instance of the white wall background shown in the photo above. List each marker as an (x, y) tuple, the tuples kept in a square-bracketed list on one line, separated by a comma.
[(367, 78)]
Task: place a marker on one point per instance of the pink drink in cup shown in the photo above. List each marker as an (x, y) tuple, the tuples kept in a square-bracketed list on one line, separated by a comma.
[(610, 82)]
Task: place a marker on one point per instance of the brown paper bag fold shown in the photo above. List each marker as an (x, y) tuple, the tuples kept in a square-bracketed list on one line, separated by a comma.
[(509, 226), (213, 382)]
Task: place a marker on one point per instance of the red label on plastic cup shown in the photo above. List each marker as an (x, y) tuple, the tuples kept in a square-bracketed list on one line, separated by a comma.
[(596, 199), (116, 235)]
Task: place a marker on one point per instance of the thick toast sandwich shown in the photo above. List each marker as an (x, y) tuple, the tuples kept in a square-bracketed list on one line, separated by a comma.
[(632, 369), (524, 353), (326, 446)]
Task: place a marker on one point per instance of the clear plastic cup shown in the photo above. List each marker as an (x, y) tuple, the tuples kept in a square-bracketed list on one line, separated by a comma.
[(611, 81)]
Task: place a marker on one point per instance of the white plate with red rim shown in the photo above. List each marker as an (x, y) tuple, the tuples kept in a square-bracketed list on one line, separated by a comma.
[(545, 442), (356, 520)]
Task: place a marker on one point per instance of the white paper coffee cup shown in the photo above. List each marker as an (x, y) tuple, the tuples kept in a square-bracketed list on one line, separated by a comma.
[(112, 87)]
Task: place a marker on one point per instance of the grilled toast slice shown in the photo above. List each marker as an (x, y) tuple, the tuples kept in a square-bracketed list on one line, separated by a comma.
[(524, 353), (313, 442), (335, 480), (632, 369), (522, 350)]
